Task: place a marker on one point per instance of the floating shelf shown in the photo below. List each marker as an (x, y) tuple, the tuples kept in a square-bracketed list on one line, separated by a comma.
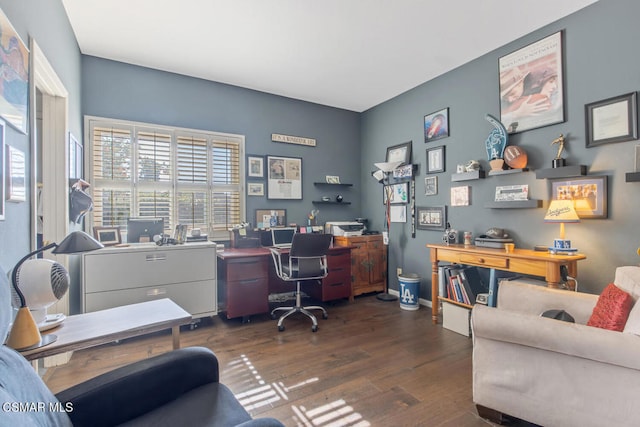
[(331, 183), (632, 176), (508, 171), (322, 202), (468, 176), (562, 172), (515, 204)]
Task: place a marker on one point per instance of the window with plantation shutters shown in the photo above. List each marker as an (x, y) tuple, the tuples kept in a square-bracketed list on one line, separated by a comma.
[(186, 177)]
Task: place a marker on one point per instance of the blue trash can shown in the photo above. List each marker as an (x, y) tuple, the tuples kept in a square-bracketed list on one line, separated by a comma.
[(409, 291)]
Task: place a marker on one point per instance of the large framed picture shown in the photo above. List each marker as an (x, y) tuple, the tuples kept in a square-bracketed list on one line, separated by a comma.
[(589, 194), (400, 153), (612, 120), (14, 79), (432, 218), (267, 218), (435, 159), (531, 85), (436, 125), (284, 177)]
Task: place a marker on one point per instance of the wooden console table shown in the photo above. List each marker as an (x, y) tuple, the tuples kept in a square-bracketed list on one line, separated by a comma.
[(523, 261), (86, 330)]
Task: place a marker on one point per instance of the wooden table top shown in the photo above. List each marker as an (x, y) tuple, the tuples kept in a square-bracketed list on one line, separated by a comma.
[(100, 327)]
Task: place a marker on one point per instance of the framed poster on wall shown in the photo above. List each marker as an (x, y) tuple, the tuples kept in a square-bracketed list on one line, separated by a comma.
[(284, 177)]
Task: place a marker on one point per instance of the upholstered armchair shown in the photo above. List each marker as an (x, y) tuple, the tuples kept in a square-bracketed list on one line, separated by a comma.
[(178, 388), (551, 372)]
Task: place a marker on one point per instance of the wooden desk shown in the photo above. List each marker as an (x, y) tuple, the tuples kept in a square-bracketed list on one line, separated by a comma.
[(523, 261), (246, 277), (101, 327)]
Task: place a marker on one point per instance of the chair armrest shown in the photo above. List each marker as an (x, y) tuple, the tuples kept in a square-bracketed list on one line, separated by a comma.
[(616, 348), (522, 297), (130, 391)]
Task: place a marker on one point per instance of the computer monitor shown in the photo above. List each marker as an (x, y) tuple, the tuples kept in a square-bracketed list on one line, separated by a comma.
[(282, 237), (142, 229)]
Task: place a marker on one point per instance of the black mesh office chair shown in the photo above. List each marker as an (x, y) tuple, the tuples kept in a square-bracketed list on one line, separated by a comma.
[(306, 260)]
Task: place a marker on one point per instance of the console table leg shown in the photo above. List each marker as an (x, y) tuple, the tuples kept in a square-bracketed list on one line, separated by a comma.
[(434, 286), (175, 334)]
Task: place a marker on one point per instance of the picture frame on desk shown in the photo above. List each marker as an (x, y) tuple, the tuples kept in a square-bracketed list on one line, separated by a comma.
[(108, 236)]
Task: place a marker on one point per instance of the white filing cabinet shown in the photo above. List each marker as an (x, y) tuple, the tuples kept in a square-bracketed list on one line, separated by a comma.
[(116, 276)]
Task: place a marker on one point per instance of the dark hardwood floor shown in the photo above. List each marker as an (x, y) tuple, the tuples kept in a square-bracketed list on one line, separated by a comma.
[(370, 363)]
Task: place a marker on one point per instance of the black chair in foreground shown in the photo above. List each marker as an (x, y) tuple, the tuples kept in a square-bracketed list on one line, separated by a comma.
[(306, 260)]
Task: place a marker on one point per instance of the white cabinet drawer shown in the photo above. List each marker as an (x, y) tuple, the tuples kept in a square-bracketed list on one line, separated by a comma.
[(106, 271), (198, 298)]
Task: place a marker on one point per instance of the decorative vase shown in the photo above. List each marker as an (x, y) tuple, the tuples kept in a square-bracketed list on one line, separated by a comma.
[(496, 164)]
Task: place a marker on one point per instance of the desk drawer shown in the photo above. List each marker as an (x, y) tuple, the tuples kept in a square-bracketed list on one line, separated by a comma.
[(484, 260), (247, 297), (246, 268), (198, 298)]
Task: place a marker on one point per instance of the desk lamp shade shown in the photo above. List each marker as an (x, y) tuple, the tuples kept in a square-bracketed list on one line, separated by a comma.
[(36, 278), (561, 211)]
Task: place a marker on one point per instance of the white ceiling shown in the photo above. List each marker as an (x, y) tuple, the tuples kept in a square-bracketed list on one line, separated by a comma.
[(351, 54)]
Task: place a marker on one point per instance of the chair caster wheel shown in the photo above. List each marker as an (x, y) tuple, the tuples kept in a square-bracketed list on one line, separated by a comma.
[(325, 316), (314, 328), (280, 328)]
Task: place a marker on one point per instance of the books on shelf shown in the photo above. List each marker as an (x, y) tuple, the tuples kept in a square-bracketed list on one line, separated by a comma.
[(461, 283)]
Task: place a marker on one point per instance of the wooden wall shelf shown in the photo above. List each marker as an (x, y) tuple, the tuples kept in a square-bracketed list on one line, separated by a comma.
[(515, 204), (331, 183), (468, 176), (330, 202), (508, 171), (632, 177), (563, 172)]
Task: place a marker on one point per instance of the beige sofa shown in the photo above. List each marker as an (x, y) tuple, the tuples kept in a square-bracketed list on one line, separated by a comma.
[(551, 372)]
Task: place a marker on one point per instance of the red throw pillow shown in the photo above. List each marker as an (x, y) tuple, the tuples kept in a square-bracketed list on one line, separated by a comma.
[(612, 309)]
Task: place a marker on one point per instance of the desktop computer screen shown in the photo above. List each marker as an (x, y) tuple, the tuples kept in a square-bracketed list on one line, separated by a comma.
[(282, 237), (142, 229)]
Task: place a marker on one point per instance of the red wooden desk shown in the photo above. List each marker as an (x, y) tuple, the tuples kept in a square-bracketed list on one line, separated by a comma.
[(246, 277)]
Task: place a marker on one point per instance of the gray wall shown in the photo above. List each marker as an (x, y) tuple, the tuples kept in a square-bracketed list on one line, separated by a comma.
[(47, 23), (117, 90), (599, 46)]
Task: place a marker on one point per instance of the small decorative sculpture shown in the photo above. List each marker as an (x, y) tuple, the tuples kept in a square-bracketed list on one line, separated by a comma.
[(558, 161), (495, 143)]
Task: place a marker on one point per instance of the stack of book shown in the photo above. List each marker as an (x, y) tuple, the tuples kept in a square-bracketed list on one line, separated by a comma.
[(461, 283)]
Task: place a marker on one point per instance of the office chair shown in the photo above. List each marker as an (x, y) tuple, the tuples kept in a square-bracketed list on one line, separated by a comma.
[(306, 260)]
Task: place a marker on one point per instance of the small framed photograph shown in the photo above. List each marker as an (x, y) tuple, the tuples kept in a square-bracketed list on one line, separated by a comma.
[(612, 120), (108, 236), (431, 185), (16, 167), (432, 218), (436, 125), (267, 218), (255, 166), (332, 179), (460, 196), (435, 159), (402, 172), (399, 153), (255, 189), (396, 193), (589, 194)]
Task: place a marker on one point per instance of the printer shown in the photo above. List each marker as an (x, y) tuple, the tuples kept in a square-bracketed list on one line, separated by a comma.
[(344, 228)]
